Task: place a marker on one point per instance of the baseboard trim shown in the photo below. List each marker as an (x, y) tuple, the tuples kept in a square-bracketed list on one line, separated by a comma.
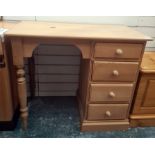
[(105, 125), (142, 122), (10, 125)]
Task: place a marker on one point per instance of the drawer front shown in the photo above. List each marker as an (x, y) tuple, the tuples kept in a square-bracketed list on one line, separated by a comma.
[(114, 71), (110, 92), (118, 50), (107, 112)]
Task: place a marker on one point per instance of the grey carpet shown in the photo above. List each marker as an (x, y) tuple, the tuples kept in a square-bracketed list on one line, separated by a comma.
[(58, 117)]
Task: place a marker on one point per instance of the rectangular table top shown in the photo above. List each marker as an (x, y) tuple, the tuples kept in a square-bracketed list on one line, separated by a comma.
[(75, 31)]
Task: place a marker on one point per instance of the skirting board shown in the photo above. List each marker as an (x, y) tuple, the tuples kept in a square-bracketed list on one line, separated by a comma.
[(142, 120), (105, 126)]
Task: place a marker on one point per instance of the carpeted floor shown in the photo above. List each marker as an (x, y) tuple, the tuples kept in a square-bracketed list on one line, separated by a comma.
[(58, 117)]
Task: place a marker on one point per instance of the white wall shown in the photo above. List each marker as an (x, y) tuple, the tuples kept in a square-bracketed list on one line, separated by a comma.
[(57, 67)]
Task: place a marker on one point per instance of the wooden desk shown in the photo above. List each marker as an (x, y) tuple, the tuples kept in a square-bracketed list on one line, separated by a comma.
[(111, 55)]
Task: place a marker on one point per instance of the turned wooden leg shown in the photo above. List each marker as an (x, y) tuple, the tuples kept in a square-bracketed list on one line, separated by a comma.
[(22, 94)]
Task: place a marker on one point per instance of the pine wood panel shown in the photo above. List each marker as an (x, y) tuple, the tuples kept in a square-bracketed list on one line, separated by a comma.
[(110, 92), (107, 112), (114, 71), (145, 100), (149, 100)]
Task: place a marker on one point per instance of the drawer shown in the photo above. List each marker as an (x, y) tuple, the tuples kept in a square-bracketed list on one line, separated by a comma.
[(110, 92), (107, 112), (114, 71), (118, 50)]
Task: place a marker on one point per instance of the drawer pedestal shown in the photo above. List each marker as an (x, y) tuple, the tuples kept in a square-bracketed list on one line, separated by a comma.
[(114, 71)]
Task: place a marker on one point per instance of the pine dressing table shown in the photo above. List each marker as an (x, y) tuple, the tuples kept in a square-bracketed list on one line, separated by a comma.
[(111, 56)]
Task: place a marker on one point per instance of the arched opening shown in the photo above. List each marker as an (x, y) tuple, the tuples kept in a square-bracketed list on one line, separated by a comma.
[(53, 81), (56, 70)]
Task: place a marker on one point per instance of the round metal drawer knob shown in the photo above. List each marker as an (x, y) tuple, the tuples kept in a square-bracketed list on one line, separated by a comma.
[(112, 94), (108, 113), (115, 73), (119, 51)]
